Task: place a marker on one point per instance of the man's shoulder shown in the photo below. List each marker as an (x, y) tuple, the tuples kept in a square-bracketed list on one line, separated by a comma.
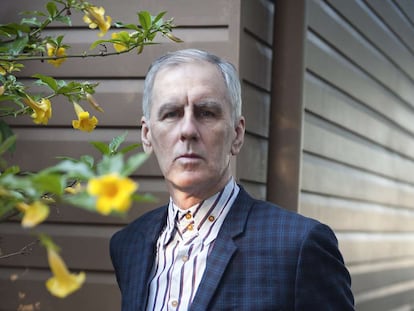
[(270, 216)]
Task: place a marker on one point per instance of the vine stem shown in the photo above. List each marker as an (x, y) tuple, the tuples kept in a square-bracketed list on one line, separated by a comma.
[(27, 249)]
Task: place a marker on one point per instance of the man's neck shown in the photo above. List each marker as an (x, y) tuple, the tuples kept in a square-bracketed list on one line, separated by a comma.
[(186, 198)]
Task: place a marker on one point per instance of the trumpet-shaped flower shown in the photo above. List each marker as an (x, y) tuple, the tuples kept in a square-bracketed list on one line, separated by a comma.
[(95, 17), (34, 213), (42, 110), (119, 47), (92, 101), (54, 51), (113, 192), (84, 122), (63, 283)]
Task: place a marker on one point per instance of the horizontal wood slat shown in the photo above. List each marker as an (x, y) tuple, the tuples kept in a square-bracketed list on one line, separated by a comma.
[(156, 187), (334, 29), (369, 276), (100, 292), (257, 18), (216, 40), (257, 67), (120, 99), (330, 104), (328, 178), (326, 63), (370, 247), (393, 18), (256, 107), (363, 19), (37, 149), (252, 160), (351, 150), (407, 7), (351, 215), (211, 13), (84, 247)]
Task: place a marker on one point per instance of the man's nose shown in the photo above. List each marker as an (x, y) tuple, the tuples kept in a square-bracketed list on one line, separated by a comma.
[(189, 128)]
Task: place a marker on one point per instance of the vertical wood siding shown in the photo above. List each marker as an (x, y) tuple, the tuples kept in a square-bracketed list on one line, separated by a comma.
[(358, 141)]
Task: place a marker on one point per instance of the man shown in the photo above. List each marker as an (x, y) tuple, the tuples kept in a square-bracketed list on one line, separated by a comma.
[(213, 247)]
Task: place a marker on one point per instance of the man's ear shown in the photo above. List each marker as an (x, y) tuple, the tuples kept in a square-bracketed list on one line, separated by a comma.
[(146, 136), (239, 138)]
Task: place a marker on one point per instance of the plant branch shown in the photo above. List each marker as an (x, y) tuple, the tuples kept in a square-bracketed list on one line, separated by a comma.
[(10, 58), (23, 251)]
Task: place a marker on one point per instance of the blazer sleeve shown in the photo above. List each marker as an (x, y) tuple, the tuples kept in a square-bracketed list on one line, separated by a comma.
[(322, 280)]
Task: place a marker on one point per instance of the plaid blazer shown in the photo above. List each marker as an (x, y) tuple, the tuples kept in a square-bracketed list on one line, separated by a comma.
[(264, 258)]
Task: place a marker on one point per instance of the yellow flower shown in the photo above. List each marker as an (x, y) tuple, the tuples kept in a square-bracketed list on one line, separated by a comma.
[(63, 283), (113, 192), (1, 90), (92, 101), (84, 123), (42, 110), (34, 213), (119, 47), (53, 51), (94, 16), (74, 189), (2, 71)]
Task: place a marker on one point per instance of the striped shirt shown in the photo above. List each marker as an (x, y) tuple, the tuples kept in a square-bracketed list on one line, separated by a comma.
[(183, 248)]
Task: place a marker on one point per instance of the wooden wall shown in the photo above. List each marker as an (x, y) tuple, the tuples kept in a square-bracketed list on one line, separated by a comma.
[(237, 30), (358, 141)]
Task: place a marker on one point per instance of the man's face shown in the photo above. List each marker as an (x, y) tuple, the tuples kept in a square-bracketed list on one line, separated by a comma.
[(191, 129)]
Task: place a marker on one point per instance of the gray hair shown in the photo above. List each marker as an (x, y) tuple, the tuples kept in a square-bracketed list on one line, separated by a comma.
[(186, 56)]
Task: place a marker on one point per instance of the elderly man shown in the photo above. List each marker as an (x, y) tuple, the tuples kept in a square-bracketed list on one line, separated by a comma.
[(214, 247)]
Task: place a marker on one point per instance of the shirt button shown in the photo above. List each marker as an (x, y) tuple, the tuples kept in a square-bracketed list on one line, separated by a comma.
[(174, 303), (211, 218), (184, 258), (190, 227), (188, 216)]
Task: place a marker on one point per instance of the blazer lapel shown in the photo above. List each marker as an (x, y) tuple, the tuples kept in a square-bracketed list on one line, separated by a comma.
[(222, 252), (144, 252)]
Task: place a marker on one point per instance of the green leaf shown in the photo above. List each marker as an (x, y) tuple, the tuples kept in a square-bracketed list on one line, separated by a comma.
[(88, 160), (159, 17), (78, 170), (12, 170), (49, 183), (64, 19), (52, 9), (129, 148), (47, 81), (7, 144), (102, 147), (145, 19), (144, 198), (17, 46), (82, 200), (133, 163), (5, 133), (31, 21), (116, 142), (110, 164), (127, 26)]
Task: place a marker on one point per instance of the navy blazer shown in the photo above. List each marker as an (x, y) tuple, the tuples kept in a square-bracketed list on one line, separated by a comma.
[(264, 258)]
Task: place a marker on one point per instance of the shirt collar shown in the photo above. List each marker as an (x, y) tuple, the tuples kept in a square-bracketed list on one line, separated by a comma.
[(196, 220)]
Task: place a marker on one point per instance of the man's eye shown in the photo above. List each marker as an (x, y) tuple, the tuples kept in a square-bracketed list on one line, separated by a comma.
[(170, 115), (206, 114)]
